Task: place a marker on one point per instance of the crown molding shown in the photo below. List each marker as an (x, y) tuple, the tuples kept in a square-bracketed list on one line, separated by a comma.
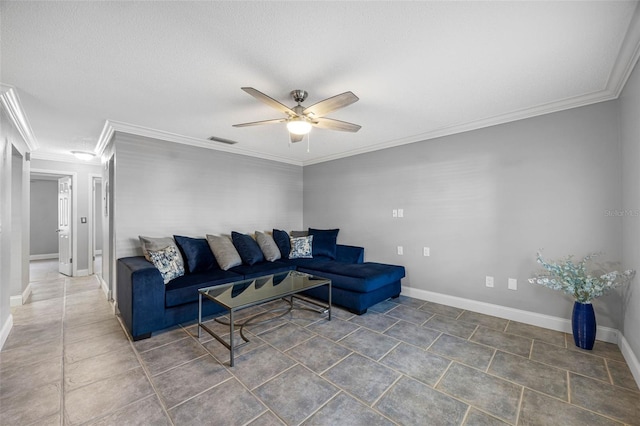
[(115, 126), (64, 158), (104, 139), (627, 56), (11, 103)]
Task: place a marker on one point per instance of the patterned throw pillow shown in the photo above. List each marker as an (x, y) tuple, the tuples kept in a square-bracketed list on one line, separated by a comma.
[(169, 262), (155, 244), (301, 248)]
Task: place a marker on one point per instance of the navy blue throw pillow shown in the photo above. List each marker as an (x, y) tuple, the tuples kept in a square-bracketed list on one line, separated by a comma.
[(197, 253), (247, 247), (282, 241), (324, 242)]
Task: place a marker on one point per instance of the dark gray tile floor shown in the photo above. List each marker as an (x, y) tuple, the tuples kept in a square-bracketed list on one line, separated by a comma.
[(67, 361)]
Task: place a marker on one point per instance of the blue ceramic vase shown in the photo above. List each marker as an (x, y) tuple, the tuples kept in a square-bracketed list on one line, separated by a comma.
[(583, 322)]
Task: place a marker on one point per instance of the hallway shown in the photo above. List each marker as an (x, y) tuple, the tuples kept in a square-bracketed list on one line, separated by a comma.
[(57, 346)]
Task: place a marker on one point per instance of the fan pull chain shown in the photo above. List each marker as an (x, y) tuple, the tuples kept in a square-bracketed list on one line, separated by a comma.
[(308, 142)]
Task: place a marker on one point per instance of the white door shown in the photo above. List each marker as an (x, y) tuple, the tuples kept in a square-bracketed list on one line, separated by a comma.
[(64, 226)]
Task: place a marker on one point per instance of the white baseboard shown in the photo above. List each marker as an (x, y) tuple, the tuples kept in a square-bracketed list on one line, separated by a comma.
[(605, 334), (43, 256), (5, 330), (105, 288), (630, 357), (20, 300), (82, 273)]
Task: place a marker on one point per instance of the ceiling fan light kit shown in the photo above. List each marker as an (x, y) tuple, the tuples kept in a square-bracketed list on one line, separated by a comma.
[(298, 126), (299, 119)]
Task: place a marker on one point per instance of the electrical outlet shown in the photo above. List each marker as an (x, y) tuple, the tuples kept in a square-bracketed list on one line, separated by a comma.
[(400, 251), (513, 284), (426, 251), (489, 281)]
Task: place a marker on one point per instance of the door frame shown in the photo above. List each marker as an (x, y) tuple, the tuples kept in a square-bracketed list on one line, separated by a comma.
[(93, 217), (74, 210)]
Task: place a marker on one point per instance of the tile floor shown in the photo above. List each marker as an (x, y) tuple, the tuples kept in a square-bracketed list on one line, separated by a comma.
[(409, 362)]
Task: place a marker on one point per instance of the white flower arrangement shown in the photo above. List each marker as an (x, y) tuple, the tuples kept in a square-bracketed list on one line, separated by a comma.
[(574, 279)]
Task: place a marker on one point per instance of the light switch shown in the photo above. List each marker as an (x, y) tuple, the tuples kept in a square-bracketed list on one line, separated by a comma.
[(400, 212), (489, 281), (394, 213), (400, 251), (426, 251)]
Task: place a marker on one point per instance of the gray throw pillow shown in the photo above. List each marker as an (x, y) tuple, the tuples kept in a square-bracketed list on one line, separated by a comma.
[(155, 244), (297, 234), (224, 251), (268, 246)]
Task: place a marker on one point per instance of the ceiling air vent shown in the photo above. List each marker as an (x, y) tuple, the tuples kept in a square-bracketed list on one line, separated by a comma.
[(222, 140)]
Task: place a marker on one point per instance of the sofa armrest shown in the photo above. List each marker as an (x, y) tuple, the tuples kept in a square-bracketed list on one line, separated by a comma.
[(140, 295), (349, 254)]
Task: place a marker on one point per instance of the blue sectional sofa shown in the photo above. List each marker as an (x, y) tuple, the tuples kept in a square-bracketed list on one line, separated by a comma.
[(147, 304)]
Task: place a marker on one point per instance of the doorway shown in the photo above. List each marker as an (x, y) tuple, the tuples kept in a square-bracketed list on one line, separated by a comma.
[(46, 232)]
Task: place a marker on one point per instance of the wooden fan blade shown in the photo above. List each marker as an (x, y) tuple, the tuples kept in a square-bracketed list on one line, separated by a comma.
[(295, 138), (328, 105), (269, 101), (257, 123), (331, 124)]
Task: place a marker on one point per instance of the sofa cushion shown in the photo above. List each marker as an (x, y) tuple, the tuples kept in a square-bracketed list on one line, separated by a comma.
[(358, 277), (324, 242), (185, 289), (247, 247), (301, 247), (168, 261), (224, 251), (283, 242), (261, 268), (196, 253), (268, 246), (154, 243)]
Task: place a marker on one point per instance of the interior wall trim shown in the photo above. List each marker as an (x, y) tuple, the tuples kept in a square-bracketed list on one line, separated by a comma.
[(20, 299), (43, 256), (631, 358), (5, 330), (11, 102), (606, 334), (111, 127)]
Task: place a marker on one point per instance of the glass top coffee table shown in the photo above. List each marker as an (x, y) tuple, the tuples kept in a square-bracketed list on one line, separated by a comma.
[(246, 293)]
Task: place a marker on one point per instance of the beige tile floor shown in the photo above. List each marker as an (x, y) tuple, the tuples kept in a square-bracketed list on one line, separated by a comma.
[(67, 361)]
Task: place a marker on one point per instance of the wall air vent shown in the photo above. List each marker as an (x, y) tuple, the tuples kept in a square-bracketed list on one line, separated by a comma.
[(222, 140)]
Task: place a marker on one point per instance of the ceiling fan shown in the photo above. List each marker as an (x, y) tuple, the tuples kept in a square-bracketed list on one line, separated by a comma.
[(300, 119)]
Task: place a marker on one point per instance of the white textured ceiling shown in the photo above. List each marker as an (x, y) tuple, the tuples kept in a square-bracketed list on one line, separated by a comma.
[(420, 69)]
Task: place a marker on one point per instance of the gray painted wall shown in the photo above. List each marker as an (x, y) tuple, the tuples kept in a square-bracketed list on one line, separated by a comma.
[(630, 129), (484, 202), (165, 189), (44, 217)]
